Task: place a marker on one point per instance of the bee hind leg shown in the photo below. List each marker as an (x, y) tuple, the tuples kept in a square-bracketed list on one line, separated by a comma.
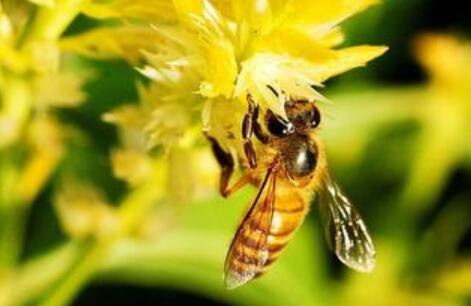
[(226, 162)]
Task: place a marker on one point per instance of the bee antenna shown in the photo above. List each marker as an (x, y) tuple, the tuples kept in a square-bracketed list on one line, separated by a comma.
[(273, 90)]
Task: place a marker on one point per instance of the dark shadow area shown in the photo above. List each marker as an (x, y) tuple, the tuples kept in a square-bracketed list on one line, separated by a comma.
[(122, 295)]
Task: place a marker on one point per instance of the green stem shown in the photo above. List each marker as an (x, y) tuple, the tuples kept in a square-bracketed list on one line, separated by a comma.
[(143, 198), (16, 105), (37, 275), (11, 239), (50, 23), (85, 268), (15, 111), (8, 215), (16, 102), (136, 205)]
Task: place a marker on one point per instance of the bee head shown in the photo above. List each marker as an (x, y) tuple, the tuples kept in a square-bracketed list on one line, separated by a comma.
[(278, 126), (302, 115)]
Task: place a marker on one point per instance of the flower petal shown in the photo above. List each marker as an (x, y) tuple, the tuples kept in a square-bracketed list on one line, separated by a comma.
[(152, 10), (58, 89), (324, 11), (186, 9), (83, 211), (347, 59), (46, 3), (216, 48), (294, 43), (113, 42), (289, 77)]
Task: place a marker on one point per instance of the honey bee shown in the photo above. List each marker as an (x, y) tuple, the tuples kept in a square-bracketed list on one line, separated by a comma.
[(289, 167)]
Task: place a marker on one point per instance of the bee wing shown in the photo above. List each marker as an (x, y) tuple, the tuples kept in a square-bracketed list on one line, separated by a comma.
[(249, 249), (346, 232)]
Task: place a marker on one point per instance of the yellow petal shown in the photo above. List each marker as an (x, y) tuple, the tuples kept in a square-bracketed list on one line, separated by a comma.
[(446, 58), (256, 15), (19, 14), (217, 49), (6, 28), (130, 119), (294, 77), (46, 139), (332, 38), (83, 211), (58, 89), (221, 75), (290, 77), (125, 42), (47, 3), (295, 43), (188, 8), (132, 166), (324, 11), (347, 59), (153, 10), (44, 56), (225, 7)]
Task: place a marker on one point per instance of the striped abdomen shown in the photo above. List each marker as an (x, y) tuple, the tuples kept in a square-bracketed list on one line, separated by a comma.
[(264, 232), (289, 212)]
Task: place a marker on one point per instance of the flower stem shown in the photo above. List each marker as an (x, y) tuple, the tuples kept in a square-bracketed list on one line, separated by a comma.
[(133, 208), (85, 268), (16, 98), (50, 23), (37, 275), (15, 112), (16, 104)]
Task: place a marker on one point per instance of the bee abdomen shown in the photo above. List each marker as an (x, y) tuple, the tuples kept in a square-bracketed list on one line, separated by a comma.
[(290, 210)]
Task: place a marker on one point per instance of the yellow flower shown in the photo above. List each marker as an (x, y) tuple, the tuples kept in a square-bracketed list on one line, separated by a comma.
[(142, 9), (168, 125), (204, 57), (31, 76), (256, 48), (84, 211), (299, 30), (444, 117), (126, 42), (218, 52), (435, 51)]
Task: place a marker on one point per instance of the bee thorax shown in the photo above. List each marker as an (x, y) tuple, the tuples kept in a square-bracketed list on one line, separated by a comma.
[(300, 157)]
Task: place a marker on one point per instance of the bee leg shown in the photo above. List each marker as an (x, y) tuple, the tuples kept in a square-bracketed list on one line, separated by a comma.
[(249, 124), (247, 131), (238, 185), (226, 162), (257, 128)]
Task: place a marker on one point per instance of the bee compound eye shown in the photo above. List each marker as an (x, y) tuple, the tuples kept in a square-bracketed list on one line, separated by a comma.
[(315, 117), (278, 126)]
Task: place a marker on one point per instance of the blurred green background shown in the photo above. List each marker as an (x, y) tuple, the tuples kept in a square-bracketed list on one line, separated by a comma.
[(410, 175)]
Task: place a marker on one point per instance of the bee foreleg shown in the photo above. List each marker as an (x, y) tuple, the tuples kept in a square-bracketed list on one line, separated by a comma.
[(247, 131), (249, 124), (257, 129)]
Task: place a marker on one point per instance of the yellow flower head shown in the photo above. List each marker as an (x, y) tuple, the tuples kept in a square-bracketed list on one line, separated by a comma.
[(206, 57), (271, 50), (446, 58)]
